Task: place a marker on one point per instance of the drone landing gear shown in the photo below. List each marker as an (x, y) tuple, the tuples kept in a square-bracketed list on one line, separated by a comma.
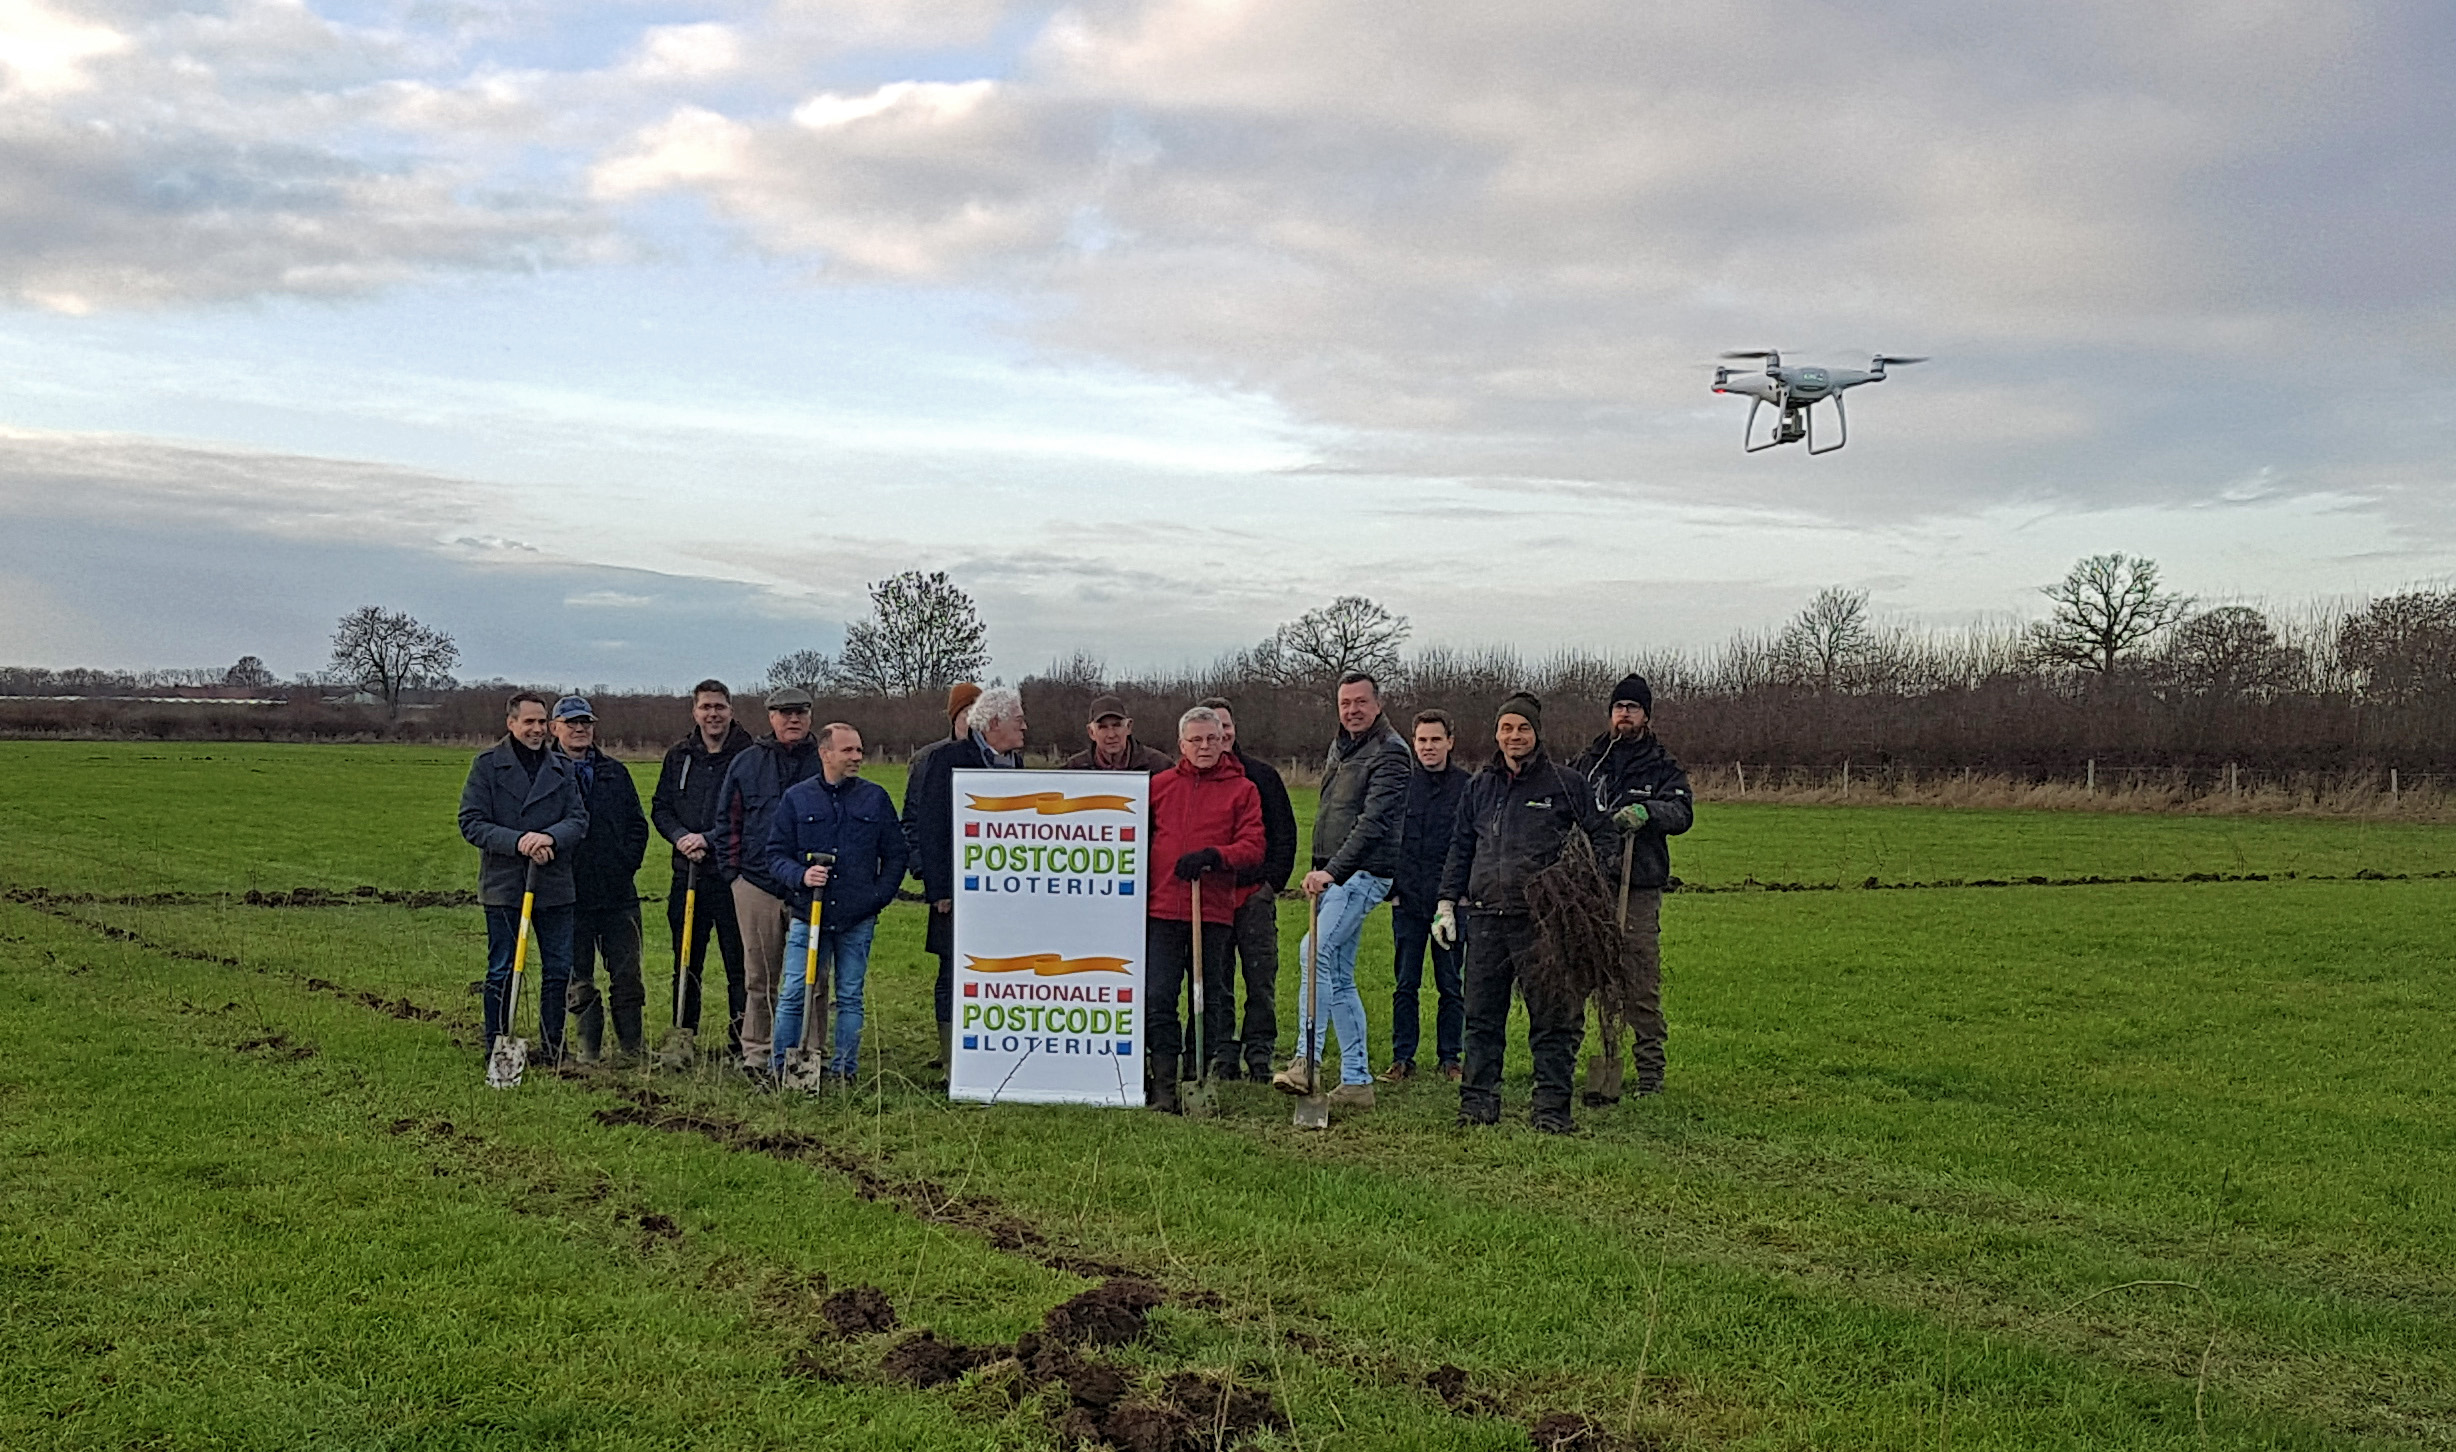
[(1796, 424)]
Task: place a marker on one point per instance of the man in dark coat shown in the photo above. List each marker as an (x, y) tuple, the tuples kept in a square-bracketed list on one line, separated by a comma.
[(1435, 786), (754, 784), (1517, 814), (684, 811), (605, 883), (853, 821), (521, 807), (1255, 931), (1355, 851), (995, 741), (1647, 794), (1206, 826), (1113, 747)]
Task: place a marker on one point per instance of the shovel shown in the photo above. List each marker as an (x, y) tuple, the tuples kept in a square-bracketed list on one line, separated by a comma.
[(1603, 1071), (805, 1069), (506, 1057), (1313, 1109), (678, 1045), (1194, 1098)]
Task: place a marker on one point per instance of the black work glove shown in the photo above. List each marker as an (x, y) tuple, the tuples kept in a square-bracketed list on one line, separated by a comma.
[(1195, 864)]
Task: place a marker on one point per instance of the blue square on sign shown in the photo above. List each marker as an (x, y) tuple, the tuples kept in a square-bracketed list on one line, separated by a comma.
[(1125, 1048), (1126, 888), (972, 1041), (972, 884)]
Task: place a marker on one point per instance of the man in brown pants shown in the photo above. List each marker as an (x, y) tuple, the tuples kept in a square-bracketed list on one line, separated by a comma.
[(1646, 793), (754, 784)]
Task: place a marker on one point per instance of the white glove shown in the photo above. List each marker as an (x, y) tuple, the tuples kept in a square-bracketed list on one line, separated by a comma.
[(1445, 925)]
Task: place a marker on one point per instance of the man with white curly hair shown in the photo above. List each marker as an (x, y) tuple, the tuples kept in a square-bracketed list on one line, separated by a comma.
[(995, 742)]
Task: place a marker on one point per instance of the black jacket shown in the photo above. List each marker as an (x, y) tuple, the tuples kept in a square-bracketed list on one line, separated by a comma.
[(1424, 834), (685, 799), (501, 802), (1621, 772), (929, 813), (605, 870), (1364, 792), (754, 784), (1278, 826), (1511, 826)]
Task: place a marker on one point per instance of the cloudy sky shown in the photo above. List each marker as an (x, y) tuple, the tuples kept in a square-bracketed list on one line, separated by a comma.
[(628, 340)]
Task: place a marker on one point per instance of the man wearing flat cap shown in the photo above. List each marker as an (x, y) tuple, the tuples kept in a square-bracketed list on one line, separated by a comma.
[(1113, 747), (605, 872), (1647, 794), (745, 808), (1517, 815)]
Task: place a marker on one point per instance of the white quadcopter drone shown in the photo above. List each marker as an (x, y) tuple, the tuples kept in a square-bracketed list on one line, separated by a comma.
[(1794, 391)]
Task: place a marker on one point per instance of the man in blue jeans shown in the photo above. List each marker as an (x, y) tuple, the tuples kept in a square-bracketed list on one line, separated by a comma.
[(854, 823), (1355, 853), (522, 808), (1435, 786)]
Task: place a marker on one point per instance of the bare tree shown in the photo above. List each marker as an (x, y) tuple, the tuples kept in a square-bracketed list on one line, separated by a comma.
[(1082, 671), (812, 670), (385, 652), (923, 634), (1823, 644), (249, 671), (2231, 651), (2402, 648), (2109, 606), (1351, 633)]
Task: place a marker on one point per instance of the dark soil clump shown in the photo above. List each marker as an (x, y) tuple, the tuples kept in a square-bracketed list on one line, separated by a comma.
[(654, 1225), (925, 1361), (858, 1311), (1569, 1432), (1109, 1314)]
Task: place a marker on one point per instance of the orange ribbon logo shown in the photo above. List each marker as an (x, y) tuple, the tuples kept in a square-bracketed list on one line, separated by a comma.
[(1050, 804), (1046, 965)]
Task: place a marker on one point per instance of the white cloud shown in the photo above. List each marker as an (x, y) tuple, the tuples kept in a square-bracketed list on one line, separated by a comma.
[(43, 52)]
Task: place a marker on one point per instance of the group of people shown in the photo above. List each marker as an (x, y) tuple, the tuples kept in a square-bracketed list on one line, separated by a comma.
[(778, 837)]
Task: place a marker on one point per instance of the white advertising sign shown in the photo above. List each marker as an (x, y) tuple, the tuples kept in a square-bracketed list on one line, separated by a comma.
[(1051, 891)]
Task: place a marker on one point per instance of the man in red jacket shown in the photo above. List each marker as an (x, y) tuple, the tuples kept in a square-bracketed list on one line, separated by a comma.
[(1206, 825)]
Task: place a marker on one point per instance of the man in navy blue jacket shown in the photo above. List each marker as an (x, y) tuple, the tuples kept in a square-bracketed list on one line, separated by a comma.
[(853, 821), (1435, 786)]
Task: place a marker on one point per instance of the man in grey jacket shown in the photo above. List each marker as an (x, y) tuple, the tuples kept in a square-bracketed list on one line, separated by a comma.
[(1355, 854), (522, 807)]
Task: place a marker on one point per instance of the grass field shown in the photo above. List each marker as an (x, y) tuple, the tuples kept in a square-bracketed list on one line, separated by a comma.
[(2164, 1163)]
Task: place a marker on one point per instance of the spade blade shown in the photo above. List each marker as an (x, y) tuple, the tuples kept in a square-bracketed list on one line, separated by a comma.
[(506, 1061)]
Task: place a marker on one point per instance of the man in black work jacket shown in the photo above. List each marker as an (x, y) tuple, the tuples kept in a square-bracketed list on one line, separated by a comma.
[(1435, 786), (605, 874), (1518, 813), (684, 811), (1647, 794), (1254, 932)]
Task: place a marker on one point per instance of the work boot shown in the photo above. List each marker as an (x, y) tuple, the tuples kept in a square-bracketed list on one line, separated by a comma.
[(1161, 1094), (1477, 1108), (1551, 1114), (628, 1032), (1351, 1096), (1399, 1072), (1297, 1078), (1597, 1099), (1453, 1073)]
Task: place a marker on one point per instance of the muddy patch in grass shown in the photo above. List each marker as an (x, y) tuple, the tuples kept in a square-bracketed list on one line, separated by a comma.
[(858, 1311), (275, 1046), (922, 1360)]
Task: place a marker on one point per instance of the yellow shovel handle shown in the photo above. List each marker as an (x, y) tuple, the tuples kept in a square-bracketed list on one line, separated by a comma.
[(520, 950), (810, 961)]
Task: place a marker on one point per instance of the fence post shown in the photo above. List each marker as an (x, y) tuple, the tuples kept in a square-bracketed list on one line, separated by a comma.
[(2392, 789), (2233, 785), (1740, 770), (1846, 776), (2092, 782)]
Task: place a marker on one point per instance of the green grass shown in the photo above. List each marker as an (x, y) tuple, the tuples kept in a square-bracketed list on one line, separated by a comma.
[(1910, 1136)]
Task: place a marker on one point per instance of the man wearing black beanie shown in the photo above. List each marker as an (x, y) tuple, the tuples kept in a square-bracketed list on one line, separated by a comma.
[(1517, 815), (1647, 794)]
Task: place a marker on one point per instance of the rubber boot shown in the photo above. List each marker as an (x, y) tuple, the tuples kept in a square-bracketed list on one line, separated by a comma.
[(588, 1033), (1161, 1094), (1551, 1113)]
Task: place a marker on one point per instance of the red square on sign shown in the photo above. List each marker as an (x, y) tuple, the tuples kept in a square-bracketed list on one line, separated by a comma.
[(972, 990), (1125, 834), (972, 829), (1125, 995)]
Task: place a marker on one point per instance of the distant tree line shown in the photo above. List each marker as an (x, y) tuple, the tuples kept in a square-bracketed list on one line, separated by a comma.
[(2120, 671)]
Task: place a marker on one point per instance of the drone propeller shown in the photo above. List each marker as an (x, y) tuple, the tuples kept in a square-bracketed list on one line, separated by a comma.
[(1884, 360), (1754, 353)]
